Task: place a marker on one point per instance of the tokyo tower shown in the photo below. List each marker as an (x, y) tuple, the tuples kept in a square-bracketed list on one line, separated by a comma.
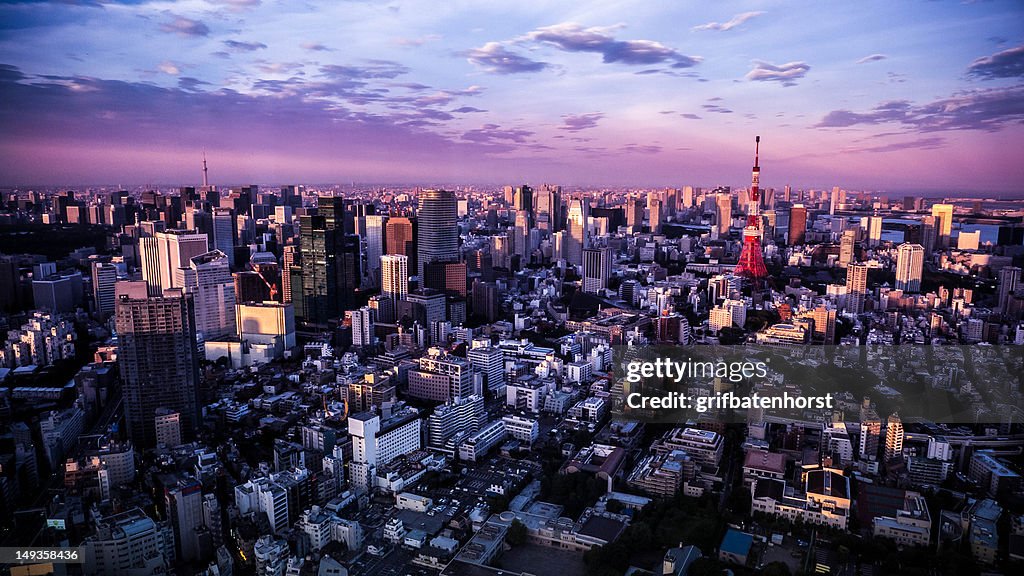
[(751, 265)]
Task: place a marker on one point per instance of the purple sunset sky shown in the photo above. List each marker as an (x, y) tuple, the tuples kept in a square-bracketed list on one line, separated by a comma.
[(897, 96)]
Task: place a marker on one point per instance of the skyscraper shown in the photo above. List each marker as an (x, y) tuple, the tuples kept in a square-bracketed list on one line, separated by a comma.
[(224, 233), (893, 437), (394, 277), (835, 200), (374, 238), (288, 261), (874, 231), (522, 199), (909, 265), (847, 243), (634, 215), (656, 216), (400, 237), (576, 241), (330, 271), (797, 225), (723, 212), (449, 277), (597, 269), (439, 234), (175, 248), (943, 214), (1009, 278), (157, 358), (521, 237), (856, 287), (207, 278), (547, 208), (104, 276)]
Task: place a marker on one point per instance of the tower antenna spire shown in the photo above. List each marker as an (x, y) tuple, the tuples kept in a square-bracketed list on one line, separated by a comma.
[(757, 150), (206, 180)]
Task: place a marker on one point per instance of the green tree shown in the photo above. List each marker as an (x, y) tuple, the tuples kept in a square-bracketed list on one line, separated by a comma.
[(516, 533)]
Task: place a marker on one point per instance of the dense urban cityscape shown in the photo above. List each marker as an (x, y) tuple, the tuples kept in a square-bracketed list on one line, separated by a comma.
[(483, 288), (336, 380)]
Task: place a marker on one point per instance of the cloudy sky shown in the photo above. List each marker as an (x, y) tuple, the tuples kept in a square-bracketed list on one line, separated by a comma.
[(909, 95)]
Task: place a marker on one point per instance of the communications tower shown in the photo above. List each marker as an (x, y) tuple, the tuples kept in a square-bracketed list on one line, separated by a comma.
[(751, 264)]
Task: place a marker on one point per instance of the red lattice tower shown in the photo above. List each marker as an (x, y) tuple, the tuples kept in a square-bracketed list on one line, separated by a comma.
[(751, 264)]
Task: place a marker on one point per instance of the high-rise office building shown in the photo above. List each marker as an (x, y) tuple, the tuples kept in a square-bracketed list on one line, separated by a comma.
[(208, 278), (394, 278), (837, 198), (943, 214), (104, 276), (330, 271), (522, 199), (655, 209), (874, 231), (547, 207), (224, 233), (438, 239), (577, 240), (856, 287), (149, 263), (521, 235), (723, 212), (847, 245), (797, 225), (175, 249), (597, 269), (449, 277), (374, 238), (909, 265), (157, 358), (401, 235), (634, 215), (1009, 279)]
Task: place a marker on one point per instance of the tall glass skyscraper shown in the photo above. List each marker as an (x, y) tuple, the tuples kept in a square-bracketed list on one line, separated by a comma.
[(330, 271), (438, 233)]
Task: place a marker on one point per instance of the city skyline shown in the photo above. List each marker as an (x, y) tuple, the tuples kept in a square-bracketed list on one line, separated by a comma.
[(914, 97)]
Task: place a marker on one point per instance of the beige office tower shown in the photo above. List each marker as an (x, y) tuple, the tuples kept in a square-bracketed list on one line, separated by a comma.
[(856, 287), (394, 278), (847, 245), (909, 265), (175, 249), (576, 242), (943, 214)]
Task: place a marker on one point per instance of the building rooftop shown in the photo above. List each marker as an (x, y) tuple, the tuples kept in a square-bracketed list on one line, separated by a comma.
[(736, 542)]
